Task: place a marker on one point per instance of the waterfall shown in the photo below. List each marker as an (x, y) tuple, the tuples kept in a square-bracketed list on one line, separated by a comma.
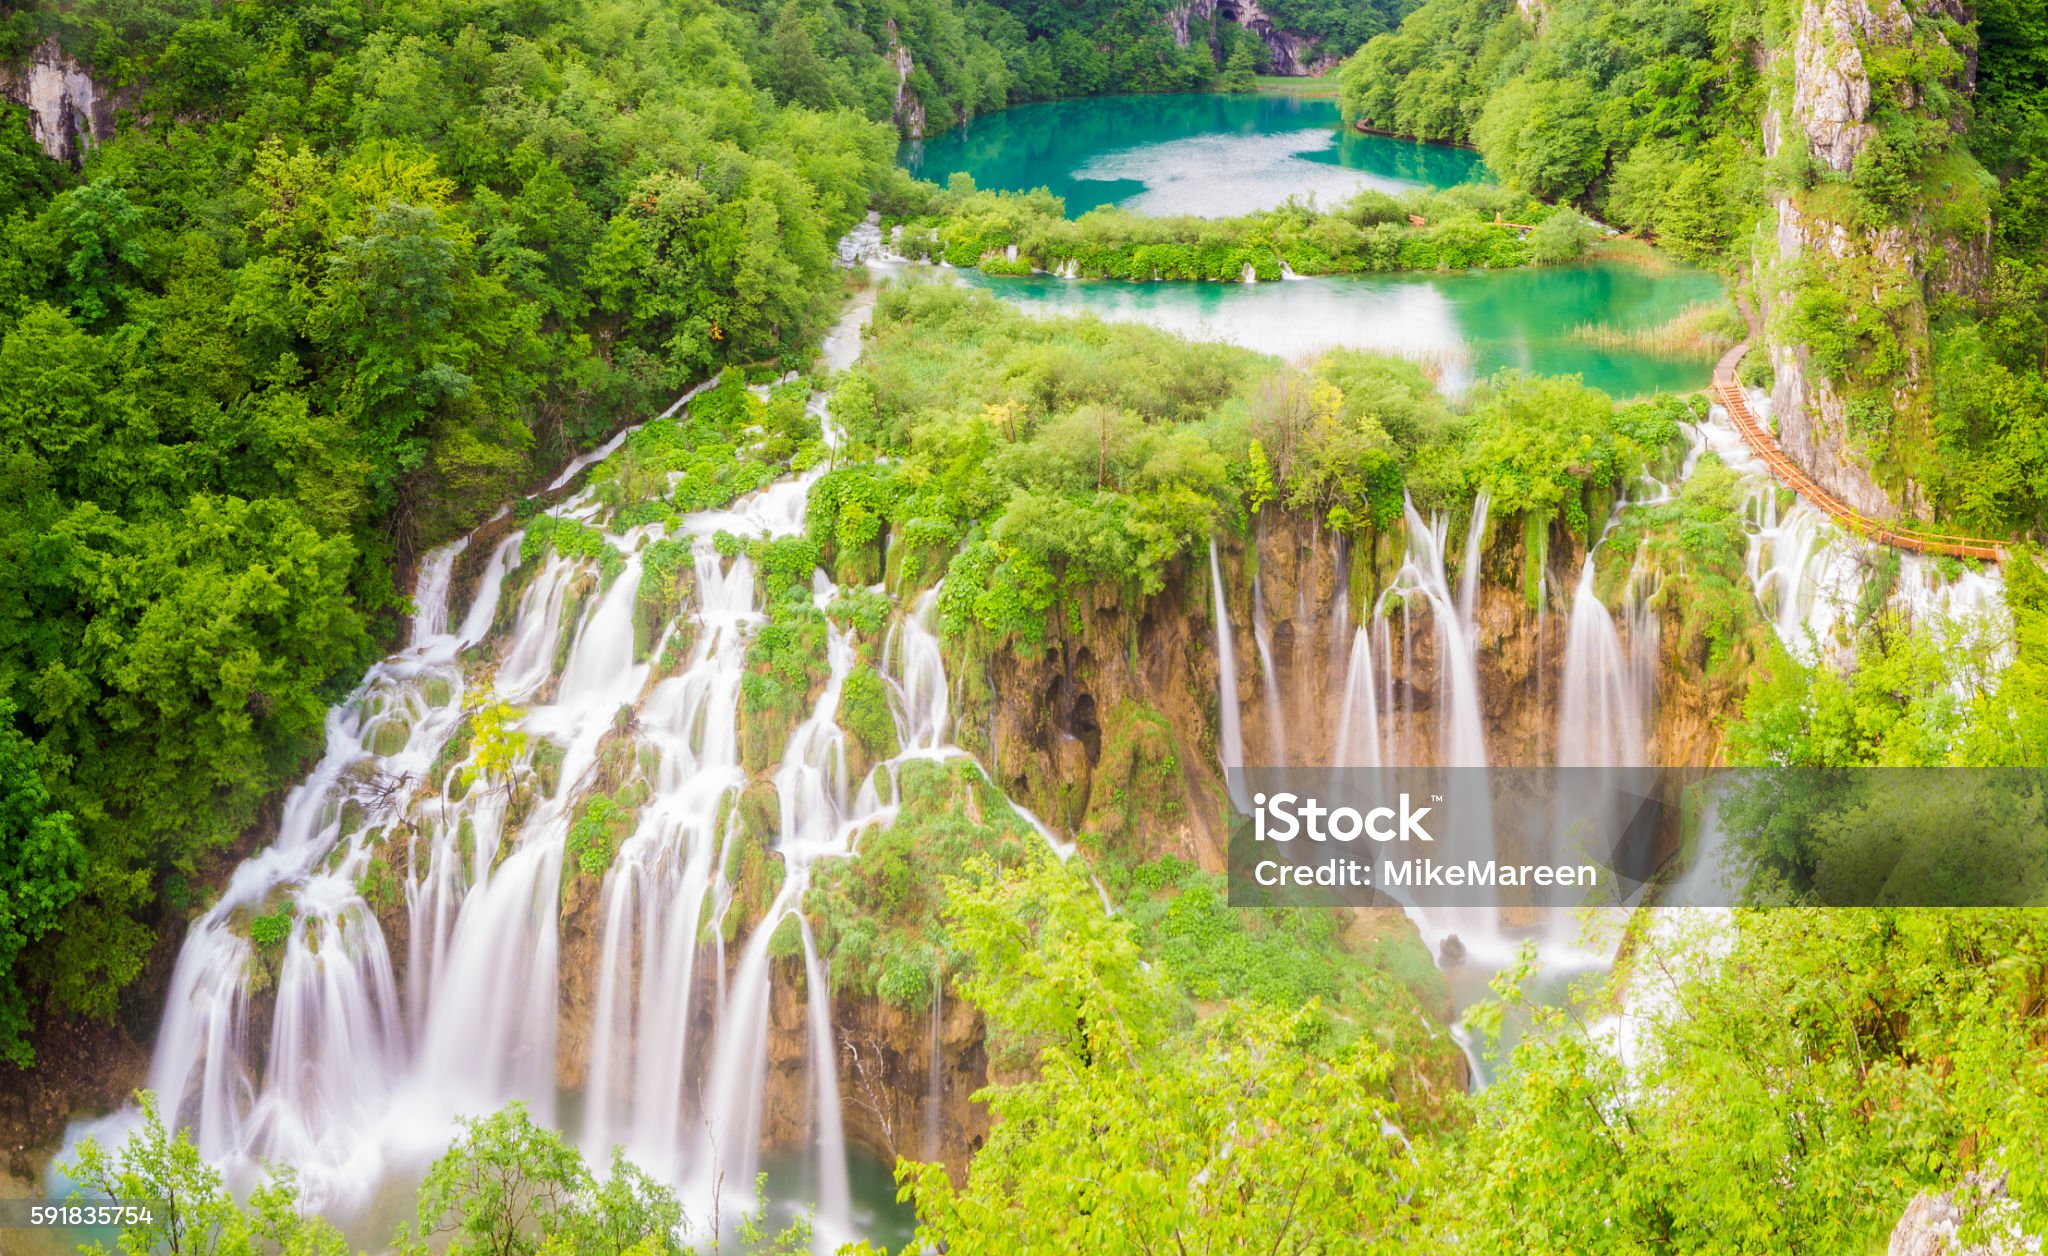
[(920, 681), (1468, 569), (374, 1049), (1602, 706), (1461, 729), (1358, 717), (835, 1196), (656, 890), (1230, 733), (1269, 676), (430, 597)]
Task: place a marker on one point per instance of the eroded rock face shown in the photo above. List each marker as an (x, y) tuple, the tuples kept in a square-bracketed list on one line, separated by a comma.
[(68, 112), (1935, 1220), (1830, 88), (909, 110), (885, 1059), (1813, 418), (1291, 52), (1885, 269), (1092, 733)]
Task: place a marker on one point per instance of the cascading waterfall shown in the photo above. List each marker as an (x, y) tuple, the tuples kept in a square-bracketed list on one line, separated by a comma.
[(373, 1053), (925, 705), (1230, 730), (1462, 730), (835, 1194), (1468, 569), (430, 601), (1358, 719), (1602, 707), (657, 889), (1269, 676)]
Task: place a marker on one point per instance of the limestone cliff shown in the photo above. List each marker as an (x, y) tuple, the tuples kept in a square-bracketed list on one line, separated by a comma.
[(1290, 52), (1113, 728), (1844, 281), (908, 107), (68, 111)]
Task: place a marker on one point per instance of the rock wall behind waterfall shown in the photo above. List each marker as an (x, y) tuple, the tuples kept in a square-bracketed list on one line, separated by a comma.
[(1113, 728)]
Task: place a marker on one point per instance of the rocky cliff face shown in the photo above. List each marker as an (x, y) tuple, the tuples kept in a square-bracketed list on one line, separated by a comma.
[(1977, 1218), (909, 107), (1113, 729), (1812, 413), (1885, 271), (905, 1078), (1291, 52), (68, 111)]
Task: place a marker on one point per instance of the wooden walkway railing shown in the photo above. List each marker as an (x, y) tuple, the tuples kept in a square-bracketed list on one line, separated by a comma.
[(1728, 392)]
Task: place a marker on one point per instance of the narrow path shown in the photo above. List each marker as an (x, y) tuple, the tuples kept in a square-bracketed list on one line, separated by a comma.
[(1729, 393)]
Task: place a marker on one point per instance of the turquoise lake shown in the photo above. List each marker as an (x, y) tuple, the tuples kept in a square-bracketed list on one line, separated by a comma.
[(1211, 155), (1467, 325)]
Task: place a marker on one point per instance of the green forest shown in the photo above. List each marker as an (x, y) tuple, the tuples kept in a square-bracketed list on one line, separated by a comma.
[(344, 283)]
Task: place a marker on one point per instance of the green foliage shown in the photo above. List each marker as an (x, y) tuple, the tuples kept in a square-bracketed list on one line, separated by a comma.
[(1692, 552), (877, 915), (786, 661), (1463, 228), (1074, 455), (1641, 110), (42, 864), (494, 744), (1562, 237), (190, 1209), (865, 713), (601, 823), (1826, 1064), (270, 931), (572, 540), (510, 1186), (1245, 1131), (336, 288)]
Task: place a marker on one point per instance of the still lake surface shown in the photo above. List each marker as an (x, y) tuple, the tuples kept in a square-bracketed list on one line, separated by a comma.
[(1466, 324), (1216, 156), (1223, 155)]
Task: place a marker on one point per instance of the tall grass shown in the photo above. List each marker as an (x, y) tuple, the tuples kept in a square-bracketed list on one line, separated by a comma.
[(1704, 329)]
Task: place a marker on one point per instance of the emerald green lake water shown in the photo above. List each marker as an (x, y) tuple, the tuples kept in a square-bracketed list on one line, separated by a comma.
[(1468, 324), (1211, 155)]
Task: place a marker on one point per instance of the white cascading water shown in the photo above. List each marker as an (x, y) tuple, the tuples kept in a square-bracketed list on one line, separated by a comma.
[(1358, 718), (368, 1064), (1461, 728), (430, 600), (1269, 676), (1230, 726), (1604, 699)]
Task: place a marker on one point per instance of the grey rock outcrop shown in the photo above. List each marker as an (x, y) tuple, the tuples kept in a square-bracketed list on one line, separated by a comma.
[(909, 108), (1830, 86), (1977, 1218), (1290, 52), (1813, 417), (68, 111)]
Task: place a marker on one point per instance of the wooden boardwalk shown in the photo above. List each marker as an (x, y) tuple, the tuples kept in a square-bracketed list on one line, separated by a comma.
[(1729, 393)]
